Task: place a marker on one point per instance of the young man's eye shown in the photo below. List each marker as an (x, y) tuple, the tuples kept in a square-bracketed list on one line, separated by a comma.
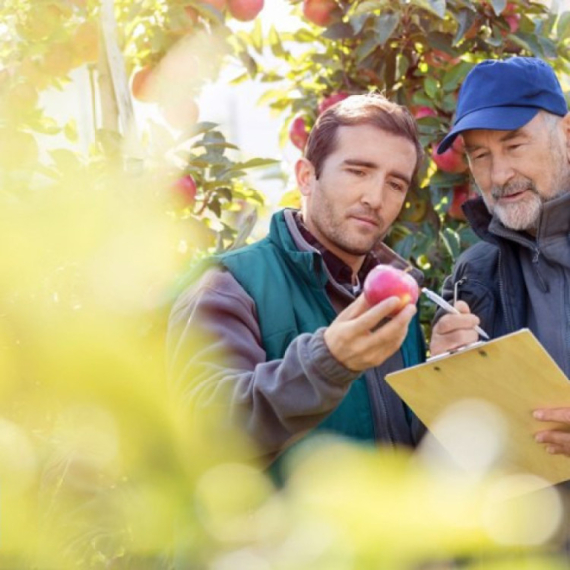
[(398, 186), (356, 172)]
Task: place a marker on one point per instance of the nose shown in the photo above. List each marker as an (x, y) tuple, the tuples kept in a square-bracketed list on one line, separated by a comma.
[(501, 171), (373, 196)]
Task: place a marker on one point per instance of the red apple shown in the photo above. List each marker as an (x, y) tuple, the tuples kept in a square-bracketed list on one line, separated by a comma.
[(245, 10), (143, 85), (185, 190), (331, 100), (461, 193), (298, 133), (449, 161), (386, 281), (424, 111), (458, 145), (514, 22), (319, 11)]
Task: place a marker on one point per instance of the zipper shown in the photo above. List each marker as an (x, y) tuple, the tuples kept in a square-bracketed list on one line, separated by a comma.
[(456, 289), (567, 334), (510, 324)]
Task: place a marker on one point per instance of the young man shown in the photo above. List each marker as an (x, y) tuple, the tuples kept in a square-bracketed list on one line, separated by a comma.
[(303, 350), (514, 121)]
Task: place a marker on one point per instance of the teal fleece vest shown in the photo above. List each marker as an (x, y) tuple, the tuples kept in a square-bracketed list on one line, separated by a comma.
[(288, 288)]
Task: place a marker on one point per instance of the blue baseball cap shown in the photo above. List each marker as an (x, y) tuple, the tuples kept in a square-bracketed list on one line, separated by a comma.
[(504, 95)]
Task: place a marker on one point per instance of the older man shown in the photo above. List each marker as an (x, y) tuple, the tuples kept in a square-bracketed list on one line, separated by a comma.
[(514, 121)]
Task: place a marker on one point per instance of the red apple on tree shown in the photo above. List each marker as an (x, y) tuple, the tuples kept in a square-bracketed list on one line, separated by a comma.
[(245, 10), (449, 161), (385, 281), (461, 193), (185, 190), (143, 85), (511, 17), (424, 111), (319, 12), (331, 100), (298, 133)]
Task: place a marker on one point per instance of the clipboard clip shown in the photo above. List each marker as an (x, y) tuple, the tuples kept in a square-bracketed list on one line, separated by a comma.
[(460, 349)]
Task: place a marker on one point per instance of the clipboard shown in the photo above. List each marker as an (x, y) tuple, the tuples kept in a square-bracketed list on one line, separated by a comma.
[(515, 375)]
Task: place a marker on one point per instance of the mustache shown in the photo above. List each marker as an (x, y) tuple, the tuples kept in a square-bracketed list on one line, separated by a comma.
[(367, 213), (513, 187)]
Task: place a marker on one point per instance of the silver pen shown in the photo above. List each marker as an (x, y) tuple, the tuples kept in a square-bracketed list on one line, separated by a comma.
[(449, 308)]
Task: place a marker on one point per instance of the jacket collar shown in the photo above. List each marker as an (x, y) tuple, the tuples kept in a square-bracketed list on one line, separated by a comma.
[(285, 233), (554, 219)]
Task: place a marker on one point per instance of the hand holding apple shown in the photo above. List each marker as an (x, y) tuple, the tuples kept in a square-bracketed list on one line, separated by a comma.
[(361, 337), (385, 281)]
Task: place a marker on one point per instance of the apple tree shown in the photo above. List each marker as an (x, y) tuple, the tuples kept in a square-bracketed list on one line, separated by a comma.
[(417, 52)]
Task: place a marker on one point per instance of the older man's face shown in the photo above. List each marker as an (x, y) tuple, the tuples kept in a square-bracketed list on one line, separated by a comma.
[(517, 171)]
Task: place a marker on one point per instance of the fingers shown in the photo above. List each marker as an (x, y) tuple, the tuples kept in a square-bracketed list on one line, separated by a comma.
[(552, 415), (462, 307), (360, 343), (557, 441), (453, 331)]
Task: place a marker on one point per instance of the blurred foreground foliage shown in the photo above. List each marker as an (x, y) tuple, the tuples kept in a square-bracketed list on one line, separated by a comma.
[(101, 466)]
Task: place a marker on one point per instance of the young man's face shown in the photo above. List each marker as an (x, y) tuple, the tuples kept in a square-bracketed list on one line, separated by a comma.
[(361, 189), (517, 171)]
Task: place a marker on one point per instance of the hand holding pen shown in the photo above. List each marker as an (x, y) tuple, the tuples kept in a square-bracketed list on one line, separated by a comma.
[(459, 327)]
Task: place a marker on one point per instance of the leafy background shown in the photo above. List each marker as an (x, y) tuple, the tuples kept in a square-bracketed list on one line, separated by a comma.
[(100, 466)]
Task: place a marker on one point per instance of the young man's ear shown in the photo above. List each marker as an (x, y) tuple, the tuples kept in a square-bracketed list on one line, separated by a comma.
[(305, 174)]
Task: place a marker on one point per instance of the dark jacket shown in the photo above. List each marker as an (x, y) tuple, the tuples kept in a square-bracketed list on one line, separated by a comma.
[(488, 277)]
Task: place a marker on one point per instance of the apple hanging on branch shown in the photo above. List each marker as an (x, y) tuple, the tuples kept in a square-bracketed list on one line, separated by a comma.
[(245, 10), (385, 281), (298, 133)]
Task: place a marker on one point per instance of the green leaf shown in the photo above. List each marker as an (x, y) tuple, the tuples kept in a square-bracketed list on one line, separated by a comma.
[(548, 47), (275, 43), (451, 242), (402, 66), (239, 79), (563, 26), (455, 75), (431, 87), (339, 31), (405, 246), (254, 163), (256, 36), (530, 41), (271, 95), (70, 131), (499, 6), (385, 26), (465, 19), (215, 206), (435, 6), (365, 48), (364, 8), (200, 128), (358, 22), (224, 193)]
